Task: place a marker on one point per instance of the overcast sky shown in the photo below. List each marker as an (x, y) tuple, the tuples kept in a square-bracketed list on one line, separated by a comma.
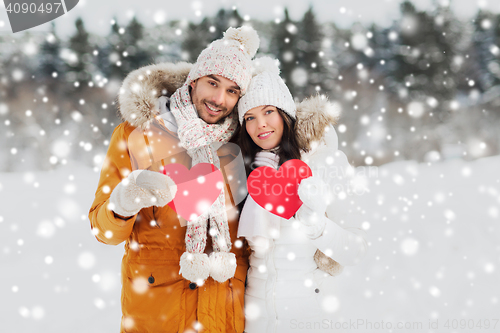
[(98, 13)]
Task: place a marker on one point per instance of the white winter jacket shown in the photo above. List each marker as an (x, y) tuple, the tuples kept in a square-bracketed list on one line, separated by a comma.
[(283, 281)]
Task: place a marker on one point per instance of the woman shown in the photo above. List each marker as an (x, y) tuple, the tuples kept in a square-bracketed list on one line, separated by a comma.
[(290, 257)]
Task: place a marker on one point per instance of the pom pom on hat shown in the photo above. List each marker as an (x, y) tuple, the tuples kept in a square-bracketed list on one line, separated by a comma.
[(266, 64), (247, 37), (229, 57)]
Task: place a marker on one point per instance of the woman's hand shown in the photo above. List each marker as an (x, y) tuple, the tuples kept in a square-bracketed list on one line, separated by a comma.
[(315, 195), (311, 223)]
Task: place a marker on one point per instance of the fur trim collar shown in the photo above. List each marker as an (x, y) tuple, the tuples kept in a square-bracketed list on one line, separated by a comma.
[(139, 93), (314, 114)]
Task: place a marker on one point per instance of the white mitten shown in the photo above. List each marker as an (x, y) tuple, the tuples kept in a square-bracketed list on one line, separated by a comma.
[(311, 223), (314, 194), (142, 188), (162, 187)]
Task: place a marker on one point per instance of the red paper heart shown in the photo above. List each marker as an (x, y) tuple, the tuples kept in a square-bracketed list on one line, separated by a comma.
[(276, 190), (197, 189)]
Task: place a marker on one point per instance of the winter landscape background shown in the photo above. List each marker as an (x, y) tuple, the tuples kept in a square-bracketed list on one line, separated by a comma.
[(420, 97)]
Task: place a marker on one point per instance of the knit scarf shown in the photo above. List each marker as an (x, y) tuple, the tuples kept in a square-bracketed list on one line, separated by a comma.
[(202, 140)]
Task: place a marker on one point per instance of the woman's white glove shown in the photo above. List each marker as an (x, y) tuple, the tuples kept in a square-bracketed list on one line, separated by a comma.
[(315, 195), (142, 188)]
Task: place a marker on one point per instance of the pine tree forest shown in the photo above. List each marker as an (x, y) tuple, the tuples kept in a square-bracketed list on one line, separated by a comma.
[(426, 88)]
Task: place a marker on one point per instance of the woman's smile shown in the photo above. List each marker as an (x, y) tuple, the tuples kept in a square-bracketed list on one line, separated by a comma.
[(265, 135)]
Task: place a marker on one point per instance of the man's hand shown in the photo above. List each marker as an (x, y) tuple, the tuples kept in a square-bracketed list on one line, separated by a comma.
[(142, 188)]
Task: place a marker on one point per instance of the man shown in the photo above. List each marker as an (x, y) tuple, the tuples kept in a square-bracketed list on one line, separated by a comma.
[(177, 278)]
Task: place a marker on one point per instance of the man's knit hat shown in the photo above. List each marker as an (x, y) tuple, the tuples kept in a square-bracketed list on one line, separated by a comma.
[(230, 57), (266, 88)]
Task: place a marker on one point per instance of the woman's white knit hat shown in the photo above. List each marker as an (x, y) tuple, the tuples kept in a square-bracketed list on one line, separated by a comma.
[(266, 88), (229, 57)]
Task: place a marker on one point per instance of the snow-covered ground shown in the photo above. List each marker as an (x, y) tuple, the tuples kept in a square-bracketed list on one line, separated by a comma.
[(433, 261)]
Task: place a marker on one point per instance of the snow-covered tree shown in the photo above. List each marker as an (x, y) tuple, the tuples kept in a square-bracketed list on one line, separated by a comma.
[(424, 50), (198, 36), (137, 53), (284, 47), (78, 56), (310, 38), (484, 51), (51, 65)]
